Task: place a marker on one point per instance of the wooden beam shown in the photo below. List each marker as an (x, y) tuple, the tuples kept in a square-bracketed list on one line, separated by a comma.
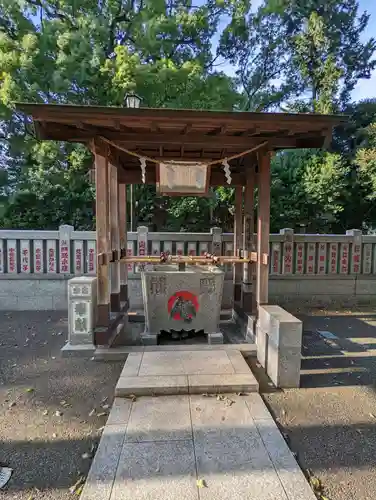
[(248, 293), (123, 240), (263, 228), (134, 177), (61, 132), (194, 139), (102, 229), (238, 227), (114, 238)]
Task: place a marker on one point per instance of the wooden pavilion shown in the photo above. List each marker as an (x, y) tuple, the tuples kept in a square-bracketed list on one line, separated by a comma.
[(119, 137)]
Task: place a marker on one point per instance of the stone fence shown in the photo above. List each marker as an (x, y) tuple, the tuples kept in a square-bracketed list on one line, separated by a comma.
[(35, 265)]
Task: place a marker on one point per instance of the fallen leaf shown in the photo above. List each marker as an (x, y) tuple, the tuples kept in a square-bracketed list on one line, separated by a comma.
[(92, 412), (240, 394), (104, 400), (372, 415), (79, 490), (85, 456), (201, 483), (101, 428), (315, 483), (11, 404), (323, 498), (58, 413), (105, 407), (102, 414), (30, 389), (45, 412), (77, 485), (54, 435)]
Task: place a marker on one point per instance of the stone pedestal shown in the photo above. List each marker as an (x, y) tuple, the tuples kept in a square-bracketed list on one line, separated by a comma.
[(82, 301), (279, 344)]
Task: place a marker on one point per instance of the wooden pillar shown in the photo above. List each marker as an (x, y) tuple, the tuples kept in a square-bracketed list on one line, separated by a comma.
[(238, 226), (123, 241), (248, 293), (102, 228), (263, 228), (114, 238)]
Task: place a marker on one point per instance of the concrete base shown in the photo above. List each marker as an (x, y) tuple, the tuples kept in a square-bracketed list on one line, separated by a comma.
[(149, 338), (215, 338), (157, 448), (77, 350)]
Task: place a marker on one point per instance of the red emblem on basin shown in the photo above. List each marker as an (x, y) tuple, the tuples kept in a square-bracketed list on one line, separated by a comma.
[(183, 306)]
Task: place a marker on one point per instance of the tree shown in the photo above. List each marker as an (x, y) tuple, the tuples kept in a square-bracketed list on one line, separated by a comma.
[(326, 53), (83, 52)]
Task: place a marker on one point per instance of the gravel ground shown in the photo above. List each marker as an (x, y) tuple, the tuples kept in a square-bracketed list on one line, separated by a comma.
[(331, 420), (44, 448)]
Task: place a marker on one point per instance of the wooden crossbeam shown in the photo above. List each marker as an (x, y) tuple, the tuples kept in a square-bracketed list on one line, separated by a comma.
[(116, 255)]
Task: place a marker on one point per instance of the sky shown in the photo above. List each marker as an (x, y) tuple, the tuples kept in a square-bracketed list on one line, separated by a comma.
[(365, 88)]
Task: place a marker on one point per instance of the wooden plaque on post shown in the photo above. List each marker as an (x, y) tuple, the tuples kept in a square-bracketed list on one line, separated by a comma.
[(183, 178)]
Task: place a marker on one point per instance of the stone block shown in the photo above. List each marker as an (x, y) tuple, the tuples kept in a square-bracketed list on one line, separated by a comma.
[(215, 338), (327, 286), (35, 303), (261, 345), (282, 327), (213, 384), (149, 338), (283, 365), (163, 418), (8, 303), (82, 293), (150, 386)]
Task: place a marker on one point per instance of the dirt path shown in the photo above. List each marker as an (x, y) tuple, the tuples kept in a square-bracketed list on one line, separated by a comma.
[(44, 448), (331, 420)]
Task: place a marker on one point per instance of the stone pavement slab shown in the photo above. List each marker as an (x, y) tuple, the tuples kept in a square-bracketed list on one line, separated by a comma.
[(156, 471), (158, 447), (164, 418), (186, 363), (182, 372), (148, 386)]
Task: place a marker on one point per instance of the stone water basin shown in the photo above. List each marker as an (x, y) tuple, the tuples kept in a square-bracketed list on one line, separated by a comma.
[(176, 299)]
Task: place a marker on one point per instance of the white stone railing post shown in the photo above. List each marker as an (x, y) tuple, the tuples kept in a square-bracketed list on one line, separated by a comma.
[(142, 243), (356, 250), (65, 236), (216, 233), (288, 250)]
